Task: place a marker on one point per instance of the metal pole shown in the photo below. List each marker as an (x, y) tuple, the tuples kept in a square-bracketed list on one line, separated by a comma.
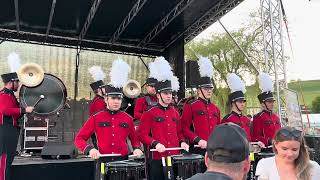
[(247, 57)]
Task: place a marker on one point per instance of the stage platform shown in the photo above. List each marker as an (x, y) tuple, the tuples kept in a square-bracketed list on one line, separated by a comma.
[(36, 168)]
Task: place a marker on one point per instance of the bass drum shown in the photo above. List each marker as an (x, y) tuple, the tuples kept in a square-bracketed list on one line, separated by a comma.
[(54, 92)]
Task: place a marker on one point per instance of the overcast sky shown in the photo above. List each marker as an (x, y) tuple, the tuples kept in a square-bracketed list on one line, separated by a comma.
[(304, 28)]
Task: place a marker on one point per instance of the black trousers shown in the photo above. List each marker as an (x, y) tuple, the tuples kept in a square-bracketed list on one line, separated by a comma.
[(156, 170), (8, 144)]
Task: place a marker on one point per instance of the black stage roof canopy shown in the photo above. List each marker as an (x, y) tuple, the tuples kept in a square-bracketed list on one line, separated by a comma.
[(146, 27)]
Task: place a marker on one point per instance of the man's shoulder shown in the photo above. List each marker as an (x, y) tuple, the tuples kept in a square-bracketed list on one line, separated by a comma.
[(210, 175)]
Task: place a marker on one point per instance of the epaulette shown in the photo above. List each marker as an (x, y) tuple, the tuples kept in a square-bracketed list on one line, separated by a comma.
[(127, 114), (98, 112), (191, 100), (149, 108), (226, 116), (258, 114)]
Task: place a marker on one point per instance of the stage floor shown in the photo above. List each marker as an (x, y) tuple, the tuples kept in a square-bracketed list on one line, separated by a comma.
[(33, 168)]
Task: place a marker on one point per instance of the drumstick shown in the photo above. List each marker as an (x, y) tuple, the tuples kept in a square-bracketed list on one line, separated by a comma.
[(168, 149), (40, 98), (109, 155), (196, 145)]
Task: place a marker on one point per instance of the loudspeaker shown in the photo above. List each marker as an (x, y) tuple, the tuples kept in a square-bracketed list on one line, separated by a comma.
[(59, 150), (192, 73)]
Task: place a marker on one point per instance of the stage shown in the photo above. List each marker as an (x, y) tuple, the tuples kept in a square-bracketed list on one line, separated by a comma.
[(34, 168)]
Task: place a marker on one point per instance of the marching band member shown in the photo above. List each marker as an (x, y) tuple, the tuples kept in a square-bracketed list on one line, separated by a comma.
[(162, 121), (237, 101), (97, 104), (112, 126), (200, 116), (150, 99), (10, 112), (175, 88), (266, 123)]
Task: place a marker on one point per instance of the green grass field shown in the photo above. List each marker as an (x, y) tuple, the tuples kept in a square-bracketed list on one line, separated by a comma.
[(309, 90)]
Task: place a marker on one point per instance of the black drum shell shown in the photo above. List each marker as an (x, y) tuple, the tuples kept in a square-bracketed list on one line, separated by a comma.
[(54, 91)]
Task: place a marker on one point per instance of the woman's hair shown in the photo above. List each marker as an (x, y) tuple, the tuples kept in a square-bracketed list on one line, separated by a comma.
[(302, 163)]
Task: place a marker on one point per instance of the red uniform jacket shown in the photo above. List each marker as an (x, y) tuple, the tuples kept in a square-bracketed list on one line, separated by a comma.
[(199, 118), (10, 109), (265, 125), (97, 104), (141, 105), (112, 129), (242, 121), (164, 125)]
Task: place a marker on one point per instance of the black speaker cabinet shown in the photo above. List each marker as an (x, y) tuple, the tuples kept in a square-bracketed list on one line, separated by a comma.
[(59, 150), (192, 72)]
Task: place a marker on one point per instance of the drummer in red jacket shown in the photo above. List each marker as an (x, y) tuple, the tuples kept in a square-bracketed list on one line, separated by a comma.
[(237, 101), (200, 116), (163, 122), (112, 126), (265, 123)]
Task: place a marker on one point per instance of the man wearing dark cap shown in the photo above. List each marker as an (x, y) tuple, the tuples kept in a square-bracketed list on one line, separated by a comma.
[(227, 156), (265, 123), (237, 102), (148, 100), (112, 126), (200, 116), (10, 112)]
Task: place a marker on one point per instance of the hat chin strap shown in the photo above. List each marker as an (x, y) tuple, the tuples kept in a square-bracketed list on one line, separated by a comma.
[(237, 106), (203, 94), (264, 102), (102, 91)]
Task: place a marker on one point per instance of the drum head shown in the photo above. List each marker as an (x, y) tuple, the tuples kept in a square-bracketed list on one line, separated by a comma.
[(54, 92), (184, 157), (124, 165)]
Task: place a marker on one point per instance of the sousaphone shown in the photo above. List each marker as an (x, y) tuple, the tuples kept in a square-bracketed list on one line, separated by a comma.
[(132, 89)]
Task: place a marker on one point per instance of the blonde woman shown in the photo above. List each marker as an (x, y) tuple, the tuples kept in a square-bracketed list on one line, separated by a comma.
[(291, 160)]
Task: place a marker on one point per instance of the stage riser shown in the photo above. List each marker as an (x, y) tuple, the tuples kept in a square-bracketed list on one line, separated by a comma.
[(56, 171)]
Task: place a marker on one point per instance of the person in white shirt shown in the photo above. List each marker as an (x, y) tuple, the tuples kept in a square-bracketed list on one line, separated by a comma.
[(291, 160)]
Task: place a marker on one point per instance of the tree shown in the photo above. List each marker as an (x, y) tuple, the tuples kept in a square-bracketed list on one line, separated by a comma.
[(227, 58), (316, 105)]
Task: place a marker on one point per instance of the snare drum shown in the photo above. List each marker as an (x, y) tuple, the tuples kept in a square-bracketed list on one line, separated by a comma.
[(185, 166), (124, 170)]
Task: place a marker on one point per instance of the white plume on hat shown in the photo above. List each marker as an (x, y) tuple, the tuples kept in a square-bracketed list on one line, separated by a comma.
[(205, 67), (175, 83), (14, 61), (163, 69), (265, 82), (153, 70), (119, 73), (235, 83), (97, 73)]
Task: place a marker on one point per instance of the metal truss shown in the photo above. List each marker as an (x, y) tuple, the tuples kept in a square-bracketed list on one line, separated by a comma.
[(211, 16), (133, 12), (53, 5), (59, 41), (89, 19), (16, 12), (178, 9), (275, 64)]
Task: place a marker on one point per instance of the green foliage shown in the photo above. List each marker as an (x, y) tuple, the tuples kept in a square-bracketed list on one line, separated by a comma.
[(316, 105)]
